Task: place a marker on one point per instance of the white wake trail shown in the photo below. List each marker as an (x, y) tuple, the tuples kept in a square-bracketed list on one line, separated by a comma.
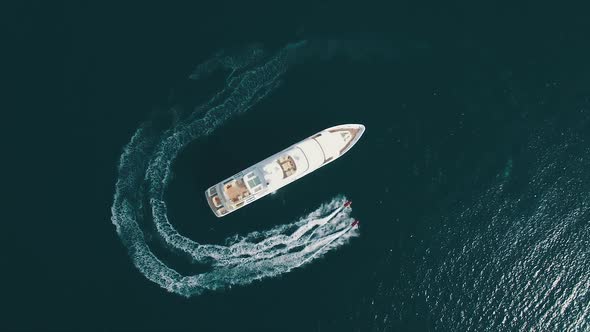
[(145, 171)]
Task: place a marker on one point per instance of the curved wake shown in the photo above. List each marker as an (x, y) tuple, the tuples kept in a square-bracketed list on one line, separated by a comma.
[(145, 172)]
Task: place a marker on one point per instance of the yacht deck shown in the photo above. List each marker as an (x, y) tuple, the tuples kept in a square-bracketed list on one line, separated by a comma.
[(236, 190)]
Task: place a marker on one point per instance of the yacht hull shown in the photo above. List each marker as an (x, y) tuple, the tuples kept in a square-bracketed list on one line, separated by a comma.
[(282, 168)]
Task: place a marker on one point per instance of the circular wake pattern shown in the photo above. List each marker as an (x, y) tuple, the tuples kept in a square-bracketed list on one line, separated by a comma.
[(523, 258), (145, 172)]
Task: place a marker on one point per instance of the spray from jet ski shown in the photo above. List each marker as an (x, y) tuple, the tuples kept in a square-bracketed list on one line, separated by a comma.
[(324, 244)]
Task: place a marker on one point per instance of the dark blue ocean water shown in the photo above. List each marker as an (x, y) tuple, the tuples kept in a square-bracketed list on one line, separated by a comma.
[(471, 181)]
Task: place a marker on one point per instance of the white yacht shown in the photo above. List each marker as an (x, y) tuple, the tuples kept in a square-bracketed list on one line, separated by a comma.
[(282, 168)]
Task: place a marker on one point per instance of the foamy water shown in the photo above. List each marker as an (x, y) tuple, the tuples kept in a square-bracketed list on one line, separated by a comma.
[(145, 172)]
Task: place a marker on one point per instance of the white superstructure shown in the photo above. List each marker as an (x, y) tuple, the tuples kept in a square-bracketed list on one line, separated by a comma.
[(282, 168)]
